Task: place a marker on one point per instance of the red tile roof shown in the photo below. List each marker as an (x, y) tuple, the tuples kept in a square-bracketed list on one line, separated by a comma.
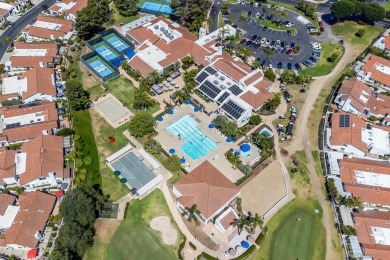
[(44, 155), (66, 26), (386, 40), (34, 61), (138, 64), (5, 201), (349, 167), (206, 187), (351, 135), (29, 131), (80, 5), (370, 194), (371, 67), (354, 89), (257, 100), (364, 222), (3, 12), (35, 208), (47, 109), (39, 80), (7, 163), (228, 219), (379, 105)]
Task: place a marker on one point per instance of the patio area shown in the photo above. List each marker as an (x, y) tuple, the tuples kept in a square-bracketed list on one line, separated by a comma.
[(216, 156)]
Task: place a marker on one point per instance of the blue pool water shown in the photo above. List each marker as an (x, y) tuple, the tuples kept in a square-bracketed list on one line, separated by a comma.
[(100, 68), (266, 132), (106, 53), (197, 143)]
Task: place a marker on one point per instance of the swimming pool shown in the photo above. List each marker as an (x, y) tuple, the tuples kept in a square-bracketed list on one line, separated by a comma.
[(197, 143), (266, 132)]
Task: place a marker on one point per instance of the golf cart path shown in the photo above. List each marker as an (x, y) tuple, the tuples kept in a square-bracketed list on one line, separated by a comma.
[(302, 141)]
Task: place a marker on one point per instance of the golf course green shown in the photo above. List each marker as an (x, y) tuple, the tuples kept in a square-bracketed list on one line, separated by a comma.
[(294, 238)]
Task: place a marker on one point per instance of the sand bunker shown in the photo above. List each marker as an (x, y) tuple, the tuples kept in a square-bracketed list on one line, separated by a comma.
[(163, 224)]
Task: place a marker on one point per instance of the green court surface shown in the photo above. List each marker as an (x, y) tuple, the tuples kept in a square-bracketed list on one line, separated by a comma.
[(294, 237)]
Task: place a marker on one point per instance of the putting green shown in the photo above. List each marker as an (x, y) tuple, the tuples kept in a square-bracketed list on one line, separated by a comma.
[(130, 243), (293, 239)]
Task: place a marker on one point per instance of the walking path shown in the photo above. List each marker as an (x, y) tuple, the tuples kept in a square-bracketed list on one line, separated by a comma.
[(302, 141)]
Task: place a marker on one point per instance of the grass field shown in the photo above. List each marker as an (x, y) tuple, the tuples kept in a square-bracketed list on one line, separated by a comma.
[(272, 25), (348, 29), (123, 90), (134, 239), (288, 238), (119, 19), (323, 66), (387, 6)]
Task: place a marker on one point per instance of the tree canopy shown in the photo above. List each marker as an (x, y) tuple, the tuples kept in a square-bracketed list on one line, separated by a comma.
[(90, 20), (78, 97), (127, 7), (142, 100), (351, 9), (191, 13), (141, 124), (79, 209), (229, 128)]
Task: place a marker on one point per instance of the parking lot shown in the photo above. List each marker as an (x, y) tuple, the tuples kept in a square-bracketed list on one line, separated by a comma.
[(282, 58)]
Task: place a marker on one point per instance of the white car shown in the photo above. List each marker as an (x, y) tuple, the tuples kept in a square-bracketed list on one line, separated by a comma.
[(257, 15), (289, 25), (268, 6), (263, 41), (319, 19), (238, 1), (268, 41), (277, 43), (243, 2), (256, 5)]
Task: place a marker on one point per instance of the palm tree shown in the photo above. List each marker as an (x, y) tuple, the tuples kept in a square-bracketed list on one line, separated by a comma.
[(256, 221), (6, 40), (191, 213), (268, 52), (146, 81), (256, 64), (244, 52), (240, 223), (141, 100), (283, 15)]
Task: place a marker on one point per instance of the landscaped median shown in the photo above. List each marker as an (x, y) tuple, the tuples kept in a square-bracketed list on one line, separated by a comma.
[(276, 26), (330, 56)]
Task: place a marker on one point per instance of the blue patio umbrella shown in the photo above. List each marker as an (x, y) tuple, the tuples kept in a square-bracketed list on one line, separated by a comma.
[(160, 118), (196, 109), (117, 173), (237, 153), (170, 111), (229, 139), (172, 151), (211, 126), (245, 244), (245, 148), (123, 180), (187, 101), (182, 160)]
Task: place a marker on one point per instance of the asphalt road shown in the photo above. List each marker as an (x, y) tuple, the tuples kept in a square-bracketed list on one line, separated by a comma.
[(22, 22), (302, 37)]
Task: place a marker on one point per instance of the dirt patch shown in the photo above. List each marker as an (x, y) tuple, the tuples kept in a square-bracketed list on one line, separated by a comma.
[(106, 228), (163, 224)]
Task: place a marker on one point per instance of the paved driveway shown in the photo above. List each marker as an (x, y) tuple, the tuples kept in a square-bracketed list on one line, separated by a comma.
[(302, 37)]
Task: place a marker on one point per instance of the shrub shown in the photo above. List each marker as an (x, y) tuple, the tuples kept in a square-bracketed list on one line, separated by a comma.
[(55, 228), (78, 39), (72, 48), (246, 169), (49, 245), (87, 160), (255, 120), (192, 245), (260, 238), (70, 42), (77, 137), (79, 163), (82, 176), (297, 48), (50, 225), (11, 102), (333, 57), (172, 163), (63, 69), (64, 132), (269, 74), (82, 44), (360, 22), (181, 246), (72, 74), (360, 33)]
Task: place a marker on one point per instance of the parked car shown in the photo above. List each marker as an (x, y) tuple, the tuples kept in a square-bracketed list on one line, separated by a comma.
[(298, 66), (288, 52), (273, 43), (263, 41), (278, 49), (270, 64), (289, 33), (265, 28), (292, 44), (248, 43), (243, 41), (268, 41), (258, 39), (249, 13), (257, 45), (289, 66), (282, 44), (254, 37), (320, 23), (283, 50), (322, 29), (280, 65), (277, 43)]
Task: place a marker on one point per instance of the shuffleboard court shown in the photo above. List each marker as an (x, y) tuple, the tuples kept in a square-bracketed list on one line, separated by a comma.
[(112, 110), (134, 170)]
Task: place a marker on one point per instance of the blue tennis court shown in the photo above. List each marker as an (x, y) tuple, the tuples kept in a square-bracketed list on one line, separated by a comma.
[(158, 8), (105, 52), (100, 68), (116, 43), (134, 170)]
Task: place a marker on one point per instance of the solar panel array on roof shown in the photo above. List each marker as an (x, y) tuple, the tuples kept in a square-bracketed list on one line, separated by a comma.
[(201, 77), (235, 90), (14, 125), (344, 121), (209, 89), (223, 97), (233, 109), (210, 70)]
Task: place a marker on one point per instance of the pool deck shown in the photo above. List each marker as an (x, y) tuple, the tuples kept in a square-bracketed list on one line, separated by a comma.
[(215, 157)]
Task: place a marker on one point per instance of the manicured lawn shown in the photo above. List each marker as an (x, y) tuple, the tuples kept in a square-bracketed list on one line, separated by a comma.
[(387, 6), (272, 25), (119, 19), (123, 90), (323, 66), (288, 238), (348, 29), (134, 239), (82, 125), (302, 175)]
